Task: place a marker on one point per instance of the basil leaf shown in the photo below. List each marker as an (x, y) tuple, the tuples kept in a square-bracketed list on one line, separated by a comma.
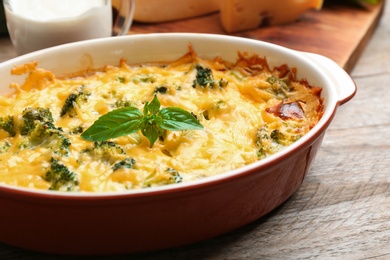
[(114, 124), (174, 118), (146, 108), (154, 106), (152, 132), (152, 122)]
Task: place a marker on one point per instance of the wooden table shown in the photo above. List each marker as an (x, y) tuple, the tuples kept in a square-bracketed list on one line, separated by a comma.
[(342, 209)]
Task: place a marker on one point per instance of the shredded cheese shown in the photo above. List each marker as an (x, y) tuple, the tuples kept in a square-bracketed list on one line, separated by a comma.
[(249, 112)]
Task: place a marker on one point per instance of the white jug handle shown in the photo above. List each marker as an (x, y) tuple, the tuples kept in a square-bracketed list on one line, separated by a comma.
[(123, 12)]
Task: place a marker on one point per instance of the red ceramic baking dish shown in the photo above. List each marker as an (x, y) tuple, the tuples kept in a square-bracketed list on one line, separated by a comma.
[(156, 218)]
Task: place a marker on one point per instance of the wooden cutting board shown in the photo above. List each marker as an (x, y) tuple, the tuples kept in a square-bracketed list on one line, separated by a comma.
[(339, 31)]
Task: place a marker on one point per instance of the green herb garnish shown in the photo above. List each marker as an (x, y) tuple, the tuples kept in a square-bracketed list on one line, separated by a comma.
[(152, 122)]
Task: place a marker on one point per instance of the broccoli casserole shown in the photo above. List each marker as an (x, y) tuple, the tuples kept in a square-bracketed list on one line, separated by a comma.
[(242, 112)]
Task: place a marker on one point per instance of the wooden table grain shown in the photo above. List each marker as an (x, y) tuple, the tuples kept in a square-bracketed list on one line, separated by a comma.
[(342, 209)]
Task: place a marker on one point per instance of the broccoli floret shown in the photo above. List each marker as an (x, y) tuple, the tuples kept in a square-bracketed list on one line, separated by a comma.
[(168, 176), (77, 130), (60, 177), (4, 146), (160, 90), (110, 153), (284, 138), (34, 116), (279, 86), (262, 137), (107, 151), (47, 135), (78, 97), (8, 125), (262, 134), (126, 163), (40, 131), (277, 136), (175, 175), (63, 144), (268, 142), (124, 103), (204, 77)]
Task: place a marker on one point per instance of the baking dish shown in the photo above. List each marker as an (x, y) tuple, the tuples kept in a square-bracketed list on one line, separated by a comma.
[(157, 218)]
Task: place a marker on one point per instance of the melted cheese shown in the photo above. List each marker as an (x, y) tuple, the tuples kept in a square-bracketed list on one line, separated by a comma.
[(239, 15), (249, 113)]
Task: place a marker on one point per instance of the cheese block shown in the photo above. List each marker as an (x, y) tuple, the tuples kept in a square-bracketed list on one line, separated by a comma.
[(153, 11), (240, 15)]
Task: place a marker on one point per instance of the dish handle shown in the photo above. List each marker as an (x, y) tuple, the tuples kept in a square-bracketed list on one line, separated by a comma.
[(342, 81)]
